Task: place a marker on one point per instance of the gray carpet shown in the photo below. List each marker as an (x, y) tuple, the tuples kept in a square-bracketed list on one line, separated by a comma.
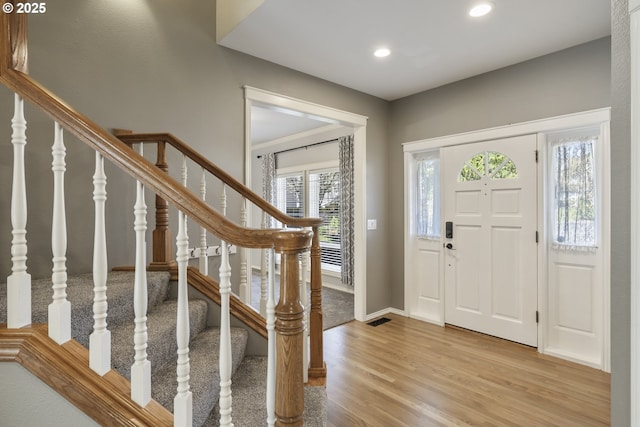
[(249, 391), (337, 306), (80, 295)]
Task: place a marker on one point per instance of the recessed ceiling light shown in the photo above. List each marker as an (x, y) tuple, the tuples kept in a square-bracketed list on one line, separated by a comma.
[(481, 8), (382, 52)]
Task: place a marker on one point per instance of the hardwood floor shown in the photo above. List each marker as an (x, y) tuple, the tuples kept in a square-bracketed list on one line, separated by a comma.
[(410, 373)]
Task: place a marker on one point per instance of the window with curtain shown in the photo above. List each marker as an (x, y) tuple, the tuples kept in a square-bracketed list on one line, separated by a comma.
[(574, 214), (324, 203), (315, 193), (428, 196)]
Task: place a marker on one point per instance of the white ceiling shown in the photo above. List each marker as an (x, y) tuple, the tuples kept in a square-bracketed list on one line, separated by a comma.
[(269, 124), (433, 42)]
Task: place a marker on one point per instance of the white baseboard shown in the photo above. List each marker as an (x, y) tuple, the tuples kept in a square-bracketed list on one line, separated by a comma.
[(388, 310), (572, 358)]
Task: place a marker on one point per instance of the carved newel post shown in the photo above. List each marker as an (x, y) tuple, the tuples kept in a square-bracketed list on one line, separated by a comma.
[(289, 329)]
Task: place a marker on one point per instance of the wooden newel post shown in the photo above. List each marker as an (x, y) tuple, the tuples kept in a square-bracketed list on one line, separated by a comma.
[(14, 51), (289, 329), (162, 242), (317, 367)]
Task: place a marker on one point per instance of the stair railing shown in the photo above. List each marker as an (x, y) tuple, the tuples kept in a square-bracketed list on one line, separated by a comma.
[(313, 360), (289, 401)]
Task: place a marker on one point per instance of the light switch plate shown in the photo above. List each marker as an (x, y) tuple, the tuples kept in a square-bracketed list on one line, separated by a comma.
[(372, 224)]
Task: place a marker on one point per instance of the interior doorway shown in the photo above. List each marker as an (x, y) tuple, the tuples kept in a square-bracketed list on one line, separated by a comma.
[(330, 123)]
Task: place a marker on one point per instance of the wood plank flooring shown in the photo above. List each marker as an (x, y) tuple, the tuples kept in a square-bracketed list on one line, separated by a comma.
[(410, 373)]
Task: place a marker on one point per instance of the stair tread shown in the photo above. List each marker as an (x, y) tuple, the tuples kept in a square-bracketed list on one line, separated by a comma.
[(249, 396), (161, 330), (80, 295), (205, 377)]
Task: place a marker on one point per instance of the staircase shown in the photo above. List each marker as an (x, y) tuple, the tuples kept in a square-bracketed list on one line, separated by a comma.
[(248, 372), (135, 323)]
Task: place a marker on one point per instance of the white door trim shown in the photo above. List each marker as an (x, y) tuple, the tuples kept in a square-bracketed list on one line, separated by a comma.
[(583, 119), (550, 124), (359, 125)]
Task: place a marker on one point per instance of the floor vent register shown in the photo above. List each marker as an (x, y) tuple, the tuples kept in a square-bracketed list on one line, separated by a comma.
[(379, 321)]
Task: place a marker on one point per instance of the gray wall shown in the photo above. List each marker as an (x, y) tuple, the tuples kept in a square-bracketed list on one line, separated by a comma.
[(27, 401), (154, 66), (569, 81), (620, 214)]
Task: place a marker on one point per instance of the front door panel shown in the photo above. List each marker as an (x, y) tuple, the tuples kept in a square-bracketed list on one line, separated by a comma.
[(489, 192)]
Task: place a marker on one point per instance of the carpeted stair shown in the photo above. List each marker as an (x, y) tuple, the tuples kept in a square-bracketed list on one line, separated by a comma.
[(248, 387)]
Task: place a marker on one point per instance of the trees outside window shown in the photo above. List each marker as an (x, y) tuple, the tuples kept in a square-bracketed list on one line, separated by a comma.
[(574, 192)]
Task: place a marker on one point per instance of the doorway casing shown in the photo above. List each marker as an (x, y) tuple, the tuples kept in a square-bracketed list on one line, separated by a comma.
[(358, 123)]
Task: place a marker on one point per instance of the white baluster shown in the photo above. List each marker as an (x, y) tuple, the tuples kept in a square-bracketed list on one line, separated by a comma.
[(225, 337), (100, 339), (304, 300), (141, 368), (60, 308), (225, 332), (263, 272), (223, 200), (271, 344), (183, 402), (19, 282), (245, 282), (204, 260)]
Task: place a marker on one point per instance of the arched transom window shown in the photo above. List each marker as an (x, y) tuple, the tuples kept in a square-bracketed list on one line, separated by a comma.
[(489, 164)]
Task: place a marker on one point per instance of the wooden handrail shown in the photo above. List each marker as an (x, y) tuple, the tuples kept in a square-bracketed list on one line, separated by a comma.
[(212, 168), (66, 370), (123, 156)]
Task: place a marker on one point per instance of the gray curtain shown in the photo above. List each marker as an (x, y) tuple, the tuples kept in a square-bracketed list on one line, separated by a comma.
[(347, 208), (269, 182)]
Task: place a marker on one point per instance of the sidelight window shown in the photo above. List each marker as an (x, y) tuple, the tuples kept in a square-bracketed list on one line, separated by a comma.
[(573, 173), (428, 195)]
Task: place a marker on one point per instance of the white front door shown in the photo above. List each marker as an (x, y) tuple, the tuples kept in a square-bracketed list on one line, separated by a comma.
[(490, 215)]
